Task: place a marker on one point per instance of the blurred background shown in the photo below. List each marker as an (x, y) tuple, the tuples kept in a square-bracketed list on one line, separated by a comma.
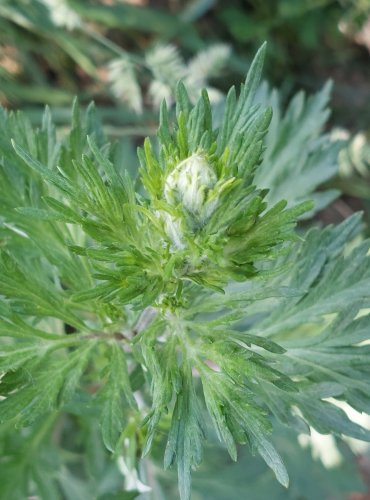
[(52, 50), (127, 55)]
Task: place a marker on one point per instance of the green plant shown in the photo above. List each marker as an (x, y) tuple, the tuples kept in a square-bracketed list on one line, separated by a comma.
[(150, 306)]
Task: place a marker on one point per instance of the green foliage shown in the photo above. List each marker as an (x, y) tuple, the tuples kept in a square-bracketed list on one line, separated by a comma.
[(220, 479), (298, 158), (163, 304)]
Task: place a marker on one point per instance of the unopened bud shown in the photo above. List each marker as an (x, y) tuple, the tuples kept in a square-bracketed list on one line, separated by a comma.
[(190, 183), (173, 229)]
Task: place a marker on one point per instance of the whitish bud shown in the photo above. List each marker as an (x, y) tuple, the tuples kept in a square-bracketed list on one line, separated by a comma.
[(173, 229), (190, 184)]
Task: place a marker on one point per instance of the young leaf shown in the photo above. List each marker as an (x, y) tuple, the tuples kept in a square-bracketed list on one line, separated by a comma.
[(113, 398)]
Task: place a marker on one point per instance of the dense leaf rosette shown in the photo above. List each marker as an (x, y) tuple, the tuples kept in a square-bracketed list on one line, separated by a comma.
[(159, 305)]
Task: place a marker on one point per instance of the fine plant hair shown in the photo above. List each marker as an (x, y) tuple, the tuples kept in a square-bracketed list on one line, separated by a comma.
[(139, 312)]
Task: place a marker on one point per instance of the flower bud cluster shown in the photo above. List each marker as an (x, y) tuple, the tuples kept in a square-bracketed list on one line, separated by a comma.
[(190, 184)]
